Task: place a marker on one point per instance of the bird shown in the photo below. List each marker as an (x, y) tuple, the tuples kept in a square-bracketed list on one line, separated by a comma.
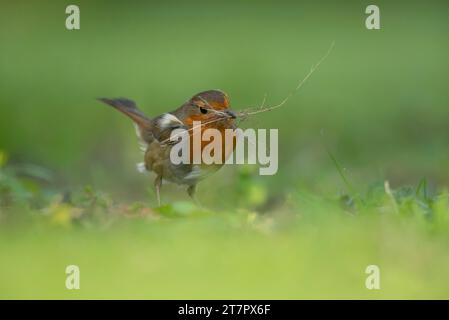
[(211, 108)]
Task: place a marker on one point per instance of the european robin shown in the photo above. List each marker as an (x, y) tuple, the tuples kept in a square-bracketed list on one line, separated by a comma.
[(211, 108)]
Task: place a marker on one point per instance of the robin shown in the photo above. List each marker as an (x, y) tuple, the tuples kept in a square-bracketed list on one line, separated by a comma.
[(209, 108)]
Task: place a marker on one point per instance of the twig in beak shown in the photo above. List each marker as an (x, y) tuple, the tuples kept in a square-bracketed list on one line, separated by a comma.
[(251, 111)]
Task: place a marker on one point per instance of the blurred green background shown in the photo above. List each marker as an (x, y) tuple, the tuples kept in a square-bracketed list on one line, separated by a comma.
[(379, 104)]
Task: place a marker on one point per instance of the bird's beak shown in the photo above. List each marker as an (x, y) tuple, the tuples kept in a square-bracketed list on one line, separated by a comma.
[(231, 114)]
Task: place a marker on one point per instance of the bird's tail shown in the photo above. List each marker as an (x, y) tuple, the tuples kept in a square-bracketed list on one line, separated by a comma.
[(129, 108)]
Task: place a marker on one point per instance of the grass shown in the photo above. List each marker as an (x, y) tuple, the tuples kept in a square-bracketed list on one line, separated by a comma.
[(378, 104), (306, 246)]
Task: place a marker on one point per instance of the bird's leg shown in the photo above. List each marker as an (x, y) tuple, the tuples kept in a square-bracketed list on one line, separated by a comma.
[(191, 190), (157, 186)]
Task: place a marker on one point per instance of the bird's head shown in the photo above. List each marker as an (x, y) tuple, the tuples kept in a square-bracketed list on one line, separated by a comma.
[(210, 107)]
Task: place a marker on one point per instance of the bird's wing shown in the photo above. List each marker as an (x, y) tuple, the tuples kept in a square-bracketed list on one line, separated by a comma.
[(164, 126)]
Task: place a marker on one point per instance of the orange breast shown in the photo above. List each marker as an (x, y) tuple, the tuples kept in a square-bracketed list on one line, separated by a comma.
[(228, 142)]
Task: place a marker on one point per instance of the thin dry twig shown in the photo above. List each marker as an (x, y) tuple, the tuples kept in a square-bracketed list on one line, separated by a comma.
[(251, 111), (171, 138), (244, 114)]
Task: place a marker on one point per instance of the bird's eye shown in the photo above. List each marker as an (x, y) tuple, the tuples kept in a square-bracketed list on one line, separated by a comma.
[(203, 110)]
